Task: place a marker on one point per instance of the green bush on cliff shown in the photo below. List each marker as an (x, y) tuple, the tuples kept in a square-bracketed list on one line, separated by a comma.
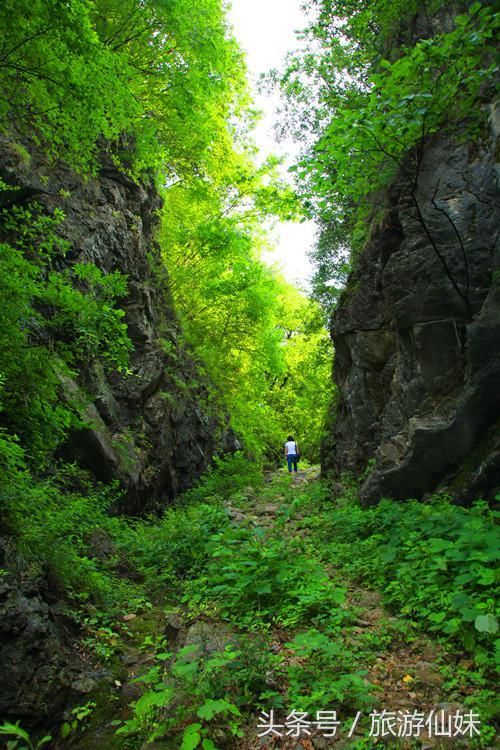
[(47, 527), (53, 321), (50, 327)]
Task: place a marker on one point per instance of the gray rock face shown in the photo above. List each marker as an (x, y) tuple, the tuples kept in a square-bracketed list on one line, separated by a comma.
[(39, 670), (417, 362), (148, 429)]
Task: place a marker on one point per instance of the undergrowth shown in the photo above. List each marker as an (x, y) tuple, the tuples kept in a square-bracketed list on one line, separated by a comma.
[(435, 562), (428, 560), (280, 590)]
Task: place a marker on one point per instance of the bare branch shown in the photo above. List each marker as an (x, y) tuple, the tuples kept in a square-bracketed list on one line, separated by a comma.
[(459, 238), (23, 42)]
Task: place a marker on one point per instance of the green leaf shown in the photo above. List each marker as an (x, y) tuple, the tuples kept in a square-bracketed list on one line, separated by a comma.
[(183, 670), (486, 623), (210, 708), (263, 588), (153, 699), (16, 730), (65, 730), (486, 576), (191, 737), (44, 741)]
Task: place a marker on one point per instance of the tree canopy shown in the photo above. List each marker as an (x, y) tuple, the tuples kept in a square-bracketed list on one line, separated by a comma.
[(157, 87), (374, 82)]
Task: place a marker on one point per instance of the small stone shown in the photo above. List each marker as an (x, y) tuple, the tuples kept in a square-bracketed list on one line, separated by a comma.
[(236, 515), (209, 638), (129, 659), (173, 626), (84, 684), (265, 508), (320, 742), (426, 674), (173, 620), (369, 599)]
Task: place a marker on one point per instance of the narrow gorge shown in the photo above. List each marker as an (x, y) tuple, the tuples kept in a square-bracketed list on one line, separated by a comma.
[(246, 503)]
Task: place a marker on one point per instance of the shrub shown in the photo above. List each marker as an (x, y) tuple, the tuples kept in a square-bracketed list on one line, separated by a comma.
[(254, 576), (435, 562)]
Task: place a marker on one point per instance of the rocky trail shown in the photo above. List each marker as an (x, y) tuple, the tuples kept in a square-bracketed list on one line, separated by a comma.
[(402, 670), (405, 675)]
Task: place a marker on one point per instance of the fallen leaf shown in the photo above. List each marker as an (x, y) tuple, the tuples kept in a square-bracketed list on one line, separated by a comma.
[(131, 616)]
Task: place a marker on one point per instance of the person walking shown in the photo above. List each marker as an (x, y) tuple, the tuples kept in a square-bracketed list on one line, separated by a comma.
[(291, 453)]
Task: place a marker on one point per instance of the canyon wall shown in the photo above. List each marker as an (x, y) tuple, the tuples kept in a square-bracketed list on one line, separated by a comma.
[(417, 333), (153, 429)]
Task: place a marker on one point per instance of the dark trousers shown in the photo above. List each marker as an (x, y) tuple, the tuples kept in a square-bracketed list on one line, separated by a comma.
[(292, 459)]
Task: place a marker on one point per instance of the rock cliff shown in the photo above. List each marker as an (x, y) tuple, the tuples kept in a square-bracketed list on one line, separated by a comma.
[(417, 334), (152, 429)]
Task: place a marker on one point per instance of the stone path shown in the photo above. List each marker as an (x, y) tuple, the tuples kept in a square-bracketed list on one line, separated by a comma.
[(405, 674)]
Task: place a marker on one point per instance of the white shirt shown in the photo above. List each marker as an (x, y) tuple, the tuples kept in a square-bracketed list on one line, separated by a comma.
[(291, 448)]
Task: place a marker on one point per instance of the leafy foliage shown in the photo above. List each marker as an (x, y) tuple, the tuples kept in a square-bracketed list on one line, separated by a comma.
[(253, 577), (322, 673), (22, 740), (237, 314), (157, 85), (161, 86), (435, 562), (294, 639), (50, 326), (185, 694), (62, 515), (383, 79), (156, 79)]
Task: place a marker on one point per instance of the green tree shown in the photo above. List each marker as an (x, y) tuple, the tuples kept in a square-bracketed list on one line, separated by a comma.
[(301, 394), (151, 82), (379, 96)]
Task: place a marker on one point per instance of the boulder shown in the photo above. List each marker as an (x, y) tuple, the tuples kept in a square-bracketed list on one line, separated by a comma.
[(40, 670)]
